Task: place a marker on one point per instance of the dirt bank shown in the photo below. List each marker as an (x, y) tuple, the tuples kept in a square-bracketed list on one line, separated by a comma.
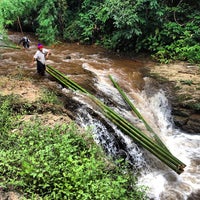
[(29, 97), (182, 84)]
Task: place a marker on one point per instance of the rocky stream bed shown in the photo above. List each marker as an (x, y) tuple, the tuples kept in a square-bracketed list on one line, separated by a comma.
[(181, 82)]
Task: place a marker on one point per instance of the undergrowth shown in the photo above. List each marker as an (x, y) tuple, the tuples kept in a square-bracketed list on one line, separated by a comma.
[(47, 163)]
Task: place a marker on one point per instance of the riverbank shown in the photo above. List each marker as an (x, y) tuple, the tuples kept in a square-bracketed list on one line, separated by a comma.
[(181, 81), (35, 93)]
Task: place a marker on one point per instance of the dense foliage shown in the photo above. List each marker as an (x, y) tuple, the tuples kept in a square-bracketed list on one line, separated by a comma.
[(57, 162), (167, 29)]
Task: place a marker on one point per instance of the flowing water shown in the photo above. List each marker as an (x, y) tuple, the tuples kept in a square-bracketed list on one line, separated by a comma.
[(90, 66)]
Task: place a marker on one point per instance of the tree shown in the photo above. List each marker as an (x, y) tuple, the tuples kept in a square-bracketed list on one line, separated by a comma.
[(162, 28)]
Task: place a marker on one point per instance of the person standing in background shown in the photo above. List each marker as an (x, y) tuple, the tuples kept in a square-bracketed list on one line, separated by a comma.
[(40, 56), (25, 42)]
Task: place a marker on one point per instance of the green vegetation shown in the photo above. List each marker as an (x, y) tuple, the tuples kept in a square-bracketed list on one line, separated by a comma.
[(57, 162), (49, 96), (187, 82), (196, 106), (168, 30)]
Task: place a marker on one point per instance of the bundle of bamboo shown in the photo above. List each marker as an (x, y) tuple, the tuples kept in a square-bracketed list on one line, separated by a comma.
[(10, 46), (157, 148), (134, 109)]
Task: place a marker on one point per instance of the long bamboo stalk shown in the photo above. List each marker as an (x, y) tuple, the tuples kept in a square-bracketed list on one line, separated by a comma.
[(137, 135), (10, 46), (61, 80), (141, 136), (134, 109), (72, 83)]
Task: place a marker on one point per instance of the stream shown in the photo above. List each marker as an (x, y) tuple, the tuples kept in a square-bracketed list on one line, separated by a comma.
[(90, 66)]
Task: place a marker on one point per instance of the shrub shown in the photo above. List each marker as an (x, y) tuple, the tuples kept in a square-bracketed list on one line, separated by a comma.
[(59, 163)]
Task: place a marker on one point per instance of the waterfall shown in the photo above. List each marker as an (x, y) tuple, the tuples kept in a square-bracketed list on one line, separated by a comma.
[(163, 183), (108, 136)]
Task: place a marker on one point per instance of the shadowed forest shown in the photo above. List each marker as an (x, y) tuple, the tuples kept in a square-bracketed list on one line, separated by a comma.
[(168, 30)]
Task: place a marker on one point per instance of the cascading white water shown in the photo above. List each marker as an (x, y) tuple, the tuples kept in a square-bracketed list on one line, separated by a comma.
[(163, 183), (113, 141)]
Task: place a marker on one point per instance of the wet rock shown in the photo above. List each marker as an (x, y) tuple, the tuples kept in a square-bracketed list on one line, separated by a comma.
[(180, 121), (68, 57), (181, 85), (188, 124), (9, 195), (193, 124), (171, 195), (177, 111), (186, 119), (194, 195)]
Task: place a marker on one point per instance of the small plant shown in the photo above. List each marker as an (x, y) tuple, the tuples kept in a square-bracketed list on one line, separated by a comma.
[(195, 106), (49, 97), (187, 82)]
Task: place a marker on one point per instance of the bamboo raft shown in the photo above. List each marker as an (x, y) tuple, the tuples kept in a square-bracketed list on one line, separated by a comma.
[(155, 145)]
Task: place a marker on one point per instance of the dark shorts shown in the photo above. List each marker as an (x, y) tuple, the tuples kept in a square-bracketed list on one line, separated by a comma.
[(26, 45), (41, 68)]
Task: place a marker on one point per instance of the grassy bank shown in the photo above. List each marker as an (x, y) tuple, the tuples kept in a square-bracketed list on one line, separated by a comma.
[(57, 162)]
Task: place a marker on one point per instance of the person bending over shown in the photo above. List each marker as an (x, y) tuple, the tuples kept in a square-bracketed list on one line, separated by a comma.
[(25, 42)]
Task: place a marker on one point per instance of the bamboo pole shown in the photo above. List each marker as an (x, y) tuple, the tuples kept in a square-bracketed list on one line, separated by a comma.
[(134, 109), (140, 135), (72, 83), (60, 79), (137, 135), (9, 46)]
